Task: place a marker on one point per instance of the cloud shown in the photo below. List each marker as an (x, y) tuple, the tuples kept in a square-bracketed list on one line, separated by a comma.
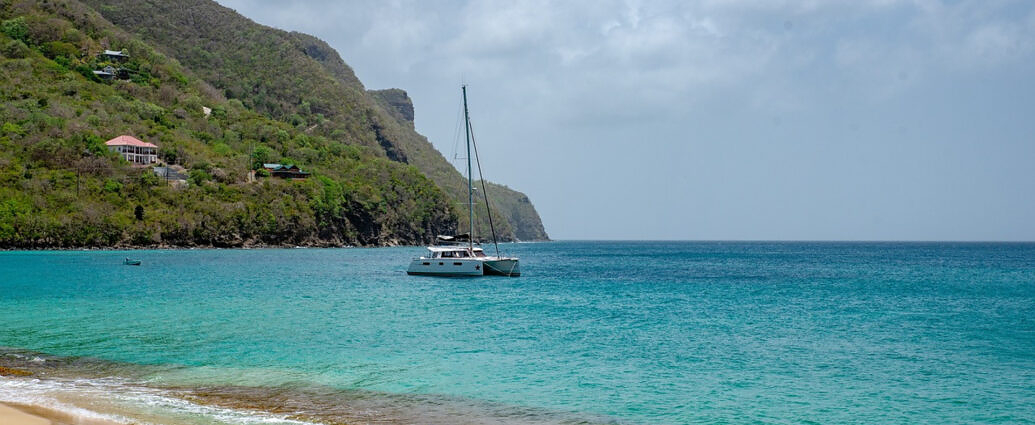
[(674, 46), (732, 87)]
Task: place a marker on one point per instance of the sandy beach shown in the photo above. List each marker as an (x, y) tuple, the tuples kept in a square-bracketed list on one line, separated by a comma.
[(35, 415), (12, 416)]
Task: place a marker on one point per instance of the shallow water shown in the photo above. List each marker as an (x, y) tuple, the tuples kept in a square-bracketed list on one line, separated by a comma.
[(593, 332)]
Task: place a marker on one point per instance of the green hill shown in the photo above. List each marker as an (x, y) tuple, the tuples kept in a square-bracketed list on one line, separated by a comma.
[(274, 97), (299, 79), (61, 187)]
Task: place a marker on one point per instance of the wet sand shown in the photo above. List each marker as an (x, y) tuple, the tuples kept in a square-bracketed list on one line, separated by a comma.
[(12, 416), (17, 414)]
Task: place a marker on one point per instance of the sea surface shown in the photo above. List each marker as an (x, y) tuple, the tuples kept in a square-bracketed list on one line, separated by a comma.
[(591, 333)]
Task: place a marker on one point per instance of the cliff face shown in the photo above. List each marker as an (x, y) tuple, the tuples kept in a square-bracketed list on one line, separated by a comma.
[(396, 102), (299, 79)]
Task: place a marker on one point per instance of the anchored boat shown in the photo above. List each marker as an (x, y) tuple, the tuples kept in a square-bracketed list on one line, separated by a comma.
[(458, 255), (451, 257)]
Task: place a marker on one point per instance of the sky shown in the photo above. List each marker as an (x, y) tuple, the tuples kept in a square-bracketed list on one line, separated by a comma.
[(719, 119)]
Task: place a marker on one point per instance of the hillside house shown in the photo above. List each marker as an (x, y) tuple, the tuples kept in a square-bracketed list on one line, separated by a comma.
[(107, 73), (134, 150), (288, 171), (115, 55)]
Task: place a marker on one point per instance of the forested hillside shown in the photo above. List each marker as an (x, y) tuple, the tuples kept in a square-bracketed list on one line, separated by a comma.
[(300, 80), (61, 187), (220, 95)]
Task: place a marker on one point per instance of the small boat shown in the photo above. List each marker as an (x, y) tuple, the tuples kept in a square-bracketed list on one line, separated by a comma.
[(458, 255), (128, 262)]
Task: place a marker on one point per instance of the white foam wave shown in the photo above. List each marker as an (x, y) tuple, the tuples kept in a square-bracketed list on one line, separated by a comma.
[(35, 392), (134, 402)]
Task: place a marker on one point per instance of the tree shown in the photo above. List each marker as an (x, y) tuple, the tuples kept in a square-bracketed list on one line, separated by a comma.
[(16, 28), (261, 155), (15, 49), (138, 212)]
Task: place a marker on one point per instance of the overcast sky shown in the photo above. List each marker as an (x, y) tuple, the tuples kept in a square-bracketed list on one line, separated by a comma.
[(732, 119)]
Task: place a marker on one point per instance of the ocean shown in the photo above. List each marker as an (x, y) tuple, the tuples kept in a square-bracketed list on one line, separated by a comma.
[(591, 333)]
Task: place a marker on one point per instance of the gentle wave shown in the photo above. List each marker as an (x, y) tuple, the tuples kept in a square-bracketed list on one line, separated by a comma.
[(86, 389), (116, 401)]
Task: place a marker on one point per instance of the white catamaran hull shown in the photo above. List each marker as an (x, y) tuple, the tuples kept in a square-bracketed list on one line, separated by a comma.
[(446, 267), (464, 267)]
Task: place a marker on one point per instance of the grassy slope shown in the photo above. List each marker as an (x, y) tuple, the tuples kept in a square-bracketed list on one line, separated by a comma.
[(59, 187), (299, 79)]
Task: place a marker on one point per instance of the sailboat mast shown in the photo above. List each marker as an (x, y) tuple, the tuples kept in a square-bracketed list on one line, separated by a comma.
[(470, 184)]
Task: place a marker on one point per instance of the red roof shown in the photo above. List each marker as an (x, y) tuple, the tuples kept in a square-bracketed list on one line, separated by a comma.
[(128, 141)]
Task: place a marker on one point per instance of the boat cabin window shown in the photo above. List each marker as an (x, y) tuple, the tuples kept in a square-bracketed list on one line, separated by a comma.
[(450, 254), (479, 253)]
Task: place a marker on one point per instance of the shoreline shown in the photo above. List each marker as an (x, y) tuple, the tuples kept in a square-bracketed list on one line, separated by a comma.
[(25, 414), (241, 247)]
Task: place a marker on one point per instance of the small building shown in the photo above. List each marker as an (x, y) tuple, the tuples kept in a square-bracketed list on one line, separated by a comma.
[(107, 73), (288, 171), (117, 55), (134, 150)]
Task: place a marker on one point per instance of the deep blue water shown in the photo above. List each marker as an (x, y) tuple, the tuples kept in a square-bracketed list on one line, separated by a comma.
[(626, 332)]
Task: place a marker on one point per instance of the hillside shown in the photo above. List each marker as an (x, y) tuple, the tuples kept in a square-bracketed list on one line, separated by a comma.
[(300, 80), (61, 187)]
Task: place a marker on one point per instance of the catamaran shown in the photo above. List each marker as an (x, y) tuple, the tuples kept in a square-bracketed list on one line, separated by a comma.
[(458, 255)]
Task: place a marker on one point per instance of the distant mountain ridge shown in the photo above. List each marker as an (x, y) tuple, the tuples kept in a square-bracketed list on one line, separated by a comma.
[(299, 79)]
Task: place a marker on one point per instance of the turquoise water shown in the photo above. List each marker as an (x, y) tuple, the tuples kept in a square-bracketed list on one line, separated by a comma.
[(593, 332)]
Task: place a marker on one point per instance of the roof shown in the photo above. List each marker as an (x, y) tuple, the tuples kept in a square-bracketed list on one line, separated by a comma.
[(451, 248), (114, 53), (276, 167), (125, 140)]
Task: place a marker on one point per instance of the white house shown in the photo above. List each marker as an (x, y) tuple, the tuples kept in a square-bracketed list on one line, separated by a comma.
[(134, 150)]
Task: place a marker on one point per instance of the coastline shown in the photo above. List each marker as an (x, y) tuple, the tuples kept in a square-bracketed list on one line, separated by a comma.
[(164, 247)]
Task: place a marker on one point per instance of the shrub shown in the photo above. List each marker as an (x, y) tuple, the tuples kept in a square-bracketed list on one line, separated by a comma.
[(149, 179), (10, 128), (198, 177), (87, 71), (169, 155), (16, 28), (222, 149), (94, 144), (55, 49), (16, 49), (112, 186)]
